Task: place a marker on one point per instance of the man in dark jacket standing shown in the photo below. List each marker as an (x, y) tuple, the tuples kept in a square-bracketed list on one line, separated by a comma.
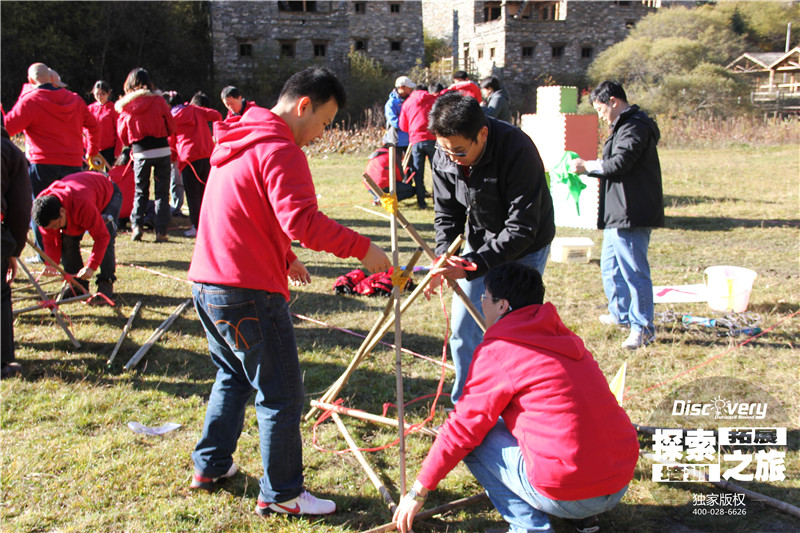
[(16, 208), (631, 204), (489, 178)]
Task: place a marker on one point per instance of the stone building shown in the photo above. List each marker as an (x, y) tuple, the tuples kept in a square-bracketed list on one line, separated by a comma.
[(248, 37), (528, 43)]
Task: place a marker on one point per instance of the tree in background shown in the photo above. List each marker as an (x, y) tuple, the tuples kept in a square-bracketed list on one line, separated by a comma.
[(87, 41), (673, 62)]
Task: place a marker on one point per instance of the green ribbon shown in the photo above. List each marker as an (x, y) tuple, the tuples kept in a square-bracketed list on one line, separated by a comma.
[(562, 174)]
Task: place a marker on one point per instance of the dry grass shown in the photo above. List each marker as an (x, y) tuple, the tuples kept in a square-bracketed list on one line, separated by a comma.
[(69, 463)]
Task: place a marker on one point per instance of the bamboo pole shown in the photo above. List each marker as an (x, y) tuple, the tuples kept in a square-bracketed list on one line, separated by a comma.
[(67, 277), (369, 417), (57, 302), (125, 331), (415, 236), (398, 330), (463, 502), (333, 391), (53, 311), (41, 284), (364, 464), (156, 335)]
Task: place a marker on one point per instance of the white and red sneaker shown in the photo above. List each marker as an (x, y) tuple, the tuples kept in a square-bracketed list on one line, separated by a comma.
[(305, 504), (200, 482)]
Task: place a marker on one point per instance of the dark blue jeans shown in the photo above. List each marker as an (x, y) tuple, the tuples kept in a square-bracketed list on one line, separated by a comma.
[(161, 182), (419, 151), (71, 245), (41, 177), (251, 341)]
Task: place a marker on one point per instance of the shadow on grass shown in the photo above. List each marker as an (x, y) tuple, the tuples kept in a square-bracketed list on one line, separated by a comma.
[(725, 224)]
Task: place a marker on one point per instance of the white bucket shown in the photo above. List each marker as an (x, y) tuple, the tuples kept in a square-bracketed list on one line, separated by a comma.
[(728, 287)]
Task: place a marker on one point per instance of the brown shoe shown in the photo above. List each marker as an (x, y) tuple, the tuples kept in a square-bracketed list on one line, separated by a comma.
[(162, 237)]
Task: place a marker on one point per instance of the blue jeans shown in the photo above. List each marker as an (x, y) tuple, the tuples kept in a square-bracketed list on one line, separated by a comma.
[(42, 176), (251, 341), (626, 276), (419, 151), (467, 334), (176, 188), (71, 245), (498, 465), (161, 175)]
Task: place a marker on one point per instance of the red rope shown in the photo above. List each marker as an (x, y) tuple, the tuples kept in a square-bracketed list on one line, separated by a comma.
[(412, 427)]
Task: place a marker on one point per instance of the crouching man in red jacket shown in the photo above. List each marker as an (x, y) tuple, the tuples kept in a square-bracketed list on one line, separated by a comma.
[(537, 424), (81, 202)]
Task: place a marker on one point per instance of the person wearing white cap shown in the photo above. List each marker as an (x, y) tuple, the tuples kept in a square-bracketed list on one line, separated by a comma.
[(403, 87)]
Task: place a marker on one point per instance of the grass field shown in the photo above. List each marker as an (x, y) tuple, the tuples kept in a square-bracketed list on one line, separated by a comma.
[(70, 463)]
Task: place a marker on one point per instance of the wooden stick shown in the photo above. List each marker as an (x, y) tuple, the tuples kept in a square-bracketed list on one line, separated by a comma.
[(398, 329), (156, 335), (412, 232), (58, 303), (364, 464), (727, 485), (369, 417), (67, 277), (333, 392), (406, 158), (53, 311), (376, 213), (369, 341), (463, 502), (125, 331), (41, 284)]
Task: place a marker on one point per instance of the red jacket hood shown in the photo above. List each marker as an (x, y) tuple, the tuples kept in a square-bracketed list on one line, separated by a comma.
[(139, 102), (239, 132), (59, 103), (539, 327)]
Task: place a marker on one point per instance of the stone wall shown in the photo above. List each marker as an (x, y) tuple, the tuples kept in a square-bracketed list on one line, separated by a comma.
[(248, 36)]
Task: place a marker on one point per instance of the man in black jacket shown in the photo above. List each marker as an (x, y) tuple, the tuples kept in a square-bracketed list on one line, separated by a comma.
[(489, 178), (631, 204), (16, 207)]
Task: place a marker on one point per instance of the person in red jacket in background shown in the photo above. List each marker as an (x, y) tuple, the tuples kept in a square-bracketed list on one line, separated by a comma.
[(414, 120), (122, 174), (146, 125), (462, 84), (537, 424), (103, 110), (194, 144), (378, 170), (81, 202), (53, 120), (259, 198)]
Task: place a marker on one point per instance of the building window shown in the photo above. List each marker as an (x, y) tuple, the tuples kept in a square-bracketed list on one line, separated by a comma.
[(550, 11), (527, 51), (360, 7), (319, 49), (491, 53), (621, 3), (360, 45), (629, 24), (492, 11), (245, 50), (303, 6), (586, 52), (557, 50), (480, 53), (287, 48), (394, 8), (395, 46)]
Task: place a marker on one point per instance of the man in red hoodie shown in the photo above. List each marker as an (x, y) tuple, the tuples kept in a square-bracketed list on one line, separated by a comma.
[(537, 424), (465, 86), (71, 206), (414, 120), (259, 198), (53, 119)]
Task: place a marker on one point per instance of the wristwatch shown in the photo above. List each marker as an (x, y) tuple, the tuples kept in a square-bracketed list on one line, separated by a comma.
[(416, 496)]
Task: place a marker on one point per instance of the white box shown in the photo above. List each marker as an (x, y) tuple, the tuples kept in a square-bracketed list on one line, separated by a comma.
[(571, 249)]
